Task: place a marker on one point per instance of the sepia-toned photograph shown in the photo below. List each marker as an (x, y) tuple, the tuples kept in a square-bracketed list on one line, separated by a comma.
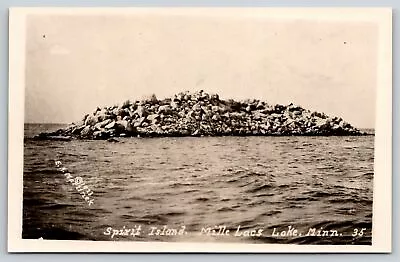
[(226, 129)]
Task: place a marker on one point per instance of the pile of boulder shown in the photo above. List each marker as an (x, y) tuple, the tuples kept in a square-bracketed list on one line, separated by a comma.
[(202, 114)]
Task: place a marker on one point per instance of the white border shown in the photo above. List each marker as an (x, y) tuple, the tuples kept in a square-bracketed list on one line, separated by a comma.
[(382, 207)]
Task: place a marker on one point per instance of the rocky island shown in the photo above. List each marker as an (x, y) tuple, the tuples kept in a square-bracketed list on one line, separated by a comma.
[(201, 114)]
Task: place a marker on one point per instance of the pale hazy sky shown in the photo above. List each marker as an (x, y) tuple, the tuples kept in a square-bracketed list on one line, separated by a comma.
[(76, 63)]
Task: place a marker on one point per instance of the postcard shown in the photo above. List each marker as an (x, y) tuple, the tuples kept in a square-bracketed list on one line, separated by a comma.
[(234, 130)]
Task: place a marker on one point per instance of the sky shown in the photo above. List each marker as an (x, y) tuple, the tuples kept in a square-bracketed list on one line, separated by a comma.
[(75, 63)]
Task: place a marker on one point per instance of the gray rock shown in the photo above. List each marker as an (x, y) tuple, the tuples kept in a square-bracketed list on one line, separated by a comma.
[(122, 123), (129, 128), (196, 133), (182, 114), (257, 115), (97, 134), (106, 122), (102, 124), (97, 126), (110, 125), (84, 118), (141, 111), (204, 96), (179, 96), (91, 120), (102, 115), (196, 107), (215, 109), (138, 122), (216, 117), (174, 105), (121, 112), (227, 115), (77, 130), (165, 109), (124, 126), (87, 131), (153, 117), (260, 105), (115, 111), (190, 115), (214, 97)]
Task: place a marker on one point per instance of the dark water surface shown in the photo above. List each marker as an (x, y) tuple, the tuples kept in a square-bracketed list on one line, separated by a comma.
[(257, 183)]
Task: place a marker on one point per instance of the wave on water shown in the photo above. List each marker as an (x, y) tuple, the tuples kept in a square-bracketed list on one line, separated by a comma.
[(241, 184)]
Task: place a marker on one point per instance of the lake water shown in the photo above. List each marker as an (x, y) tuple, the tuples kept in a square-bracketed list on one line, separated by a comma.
[(197, 184)]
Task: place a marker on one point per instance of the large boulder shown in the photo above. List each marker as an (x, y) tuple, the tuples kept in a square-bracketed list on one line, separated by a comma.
[(138, 122), (165, 109), (153, 118), (216, 117), (91, 120), (141, 111), (77, 130), (110, 125), (196, 107), (100, 134), (214, 97), (258, 115), (124, 127), (86, 132), (102, 124), (103, 115), (215, 109), (174, 105), (121, 126)]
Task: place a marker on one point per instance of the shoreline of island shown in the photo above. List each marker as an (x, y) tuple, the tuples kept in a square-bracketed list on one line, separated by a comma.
[(201, 114)]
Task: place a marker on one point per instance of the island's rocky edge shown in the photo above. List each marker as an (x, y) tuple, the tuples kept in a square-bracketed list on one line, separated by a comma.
[(201, 114)]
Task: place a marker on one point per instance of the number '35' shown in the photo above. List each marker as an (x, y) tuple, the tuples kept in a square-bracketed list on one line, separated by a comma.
[(358, 232)]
